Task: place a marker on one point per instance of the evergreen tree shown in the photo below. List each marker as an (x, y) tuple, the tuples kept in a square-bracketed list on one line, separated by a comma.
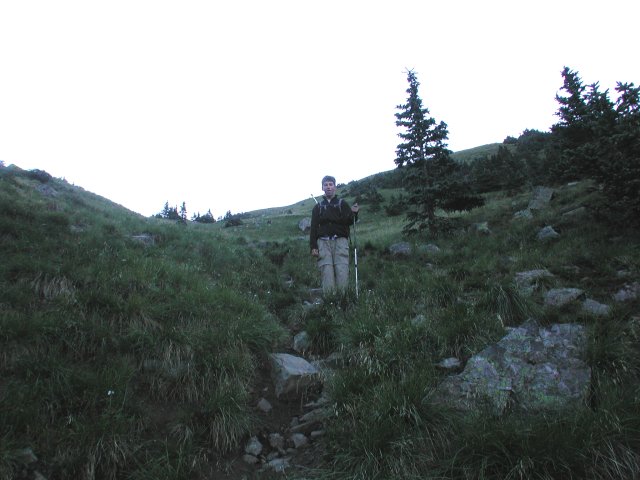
[(619, 171), (169, 213), (166, 211), (534, 148), (433, 179), (599, 139), (586, 115), (206, 218), (183, 212)]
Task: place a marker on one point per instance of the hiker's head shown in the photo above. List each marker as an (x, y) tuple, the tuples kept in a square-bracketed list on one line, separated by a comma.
[(329, 186)]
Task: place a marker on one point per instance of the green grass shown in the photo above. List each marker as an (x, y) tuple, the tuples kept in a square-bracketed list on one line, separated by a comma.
[(125, 360)]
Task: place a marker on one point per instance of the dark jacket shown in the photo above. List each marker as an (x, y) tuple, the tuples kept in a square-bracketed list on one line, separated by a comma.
[(329, 219)]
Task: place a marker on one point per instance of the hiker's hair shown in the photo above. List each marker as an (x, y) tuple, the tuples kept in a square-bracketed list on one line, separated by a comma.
[(328, 178)]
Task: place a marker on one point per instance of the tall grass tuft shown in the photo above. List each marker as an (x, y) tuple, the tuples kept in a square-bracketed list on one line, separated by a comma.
[(227, 417), (508, 304)]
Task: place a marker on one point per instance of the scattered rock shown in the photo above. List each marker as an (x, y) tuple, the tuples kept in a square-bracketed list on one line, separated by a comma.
[(276, 441), (315, 296), (401, 249), (595, 308), (627, 293), (558, 297), (250, 459), (481, 228), (527, 281), (278, 464), (547, 233), (526, 214), (264, 405), (450, 363), (305, 224), (253, 447), (419, 320), (272, 455), (540, 198), (301, 342), (292, 375), (25, 456), (298, 440)]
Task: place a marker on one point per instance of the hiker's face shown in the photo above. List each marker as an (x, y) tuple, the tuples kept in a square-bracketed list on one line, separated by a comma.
[(329, 189)]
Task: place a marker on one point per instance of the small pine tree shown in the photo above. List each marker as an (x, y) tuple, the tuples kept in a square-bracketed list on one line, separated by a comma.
[(166, 211), (433, 180)]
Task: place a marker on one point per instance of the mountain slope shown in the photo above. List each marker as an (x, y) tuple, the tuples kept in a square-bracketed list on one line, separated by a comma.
[(135, 347)]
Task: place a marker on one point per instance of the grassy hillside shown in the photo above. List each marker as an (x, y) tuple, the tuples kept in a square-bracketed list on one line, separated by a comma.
[(471, 154), (135, 348)]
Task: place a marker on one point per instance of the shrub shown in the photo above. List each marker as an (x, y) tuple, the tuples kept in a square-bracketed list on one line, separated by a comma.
[(39, 175)]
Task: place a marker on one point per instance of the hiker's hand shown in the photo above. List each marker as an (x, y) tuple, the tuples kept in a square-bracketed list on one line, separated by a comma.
[(315, 252), (355, 208)]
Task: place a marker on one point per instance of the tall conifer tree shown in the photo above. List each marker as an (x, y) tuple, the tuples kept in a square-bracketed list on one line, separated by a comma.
[(433, 179)]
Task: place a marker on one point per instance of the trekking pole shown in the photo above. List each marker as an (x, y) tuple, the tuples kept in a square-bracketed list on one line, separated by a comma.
[(355, 253), (314, 199)]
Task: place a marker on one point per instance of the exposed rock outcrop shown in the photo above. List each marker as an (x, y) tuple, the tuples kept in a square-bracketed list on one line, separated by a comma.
[(530, 369)]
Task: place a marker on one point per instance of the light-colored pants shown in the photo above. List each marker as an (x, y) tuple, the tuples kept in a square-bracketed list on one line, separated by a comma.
[(333, 262)]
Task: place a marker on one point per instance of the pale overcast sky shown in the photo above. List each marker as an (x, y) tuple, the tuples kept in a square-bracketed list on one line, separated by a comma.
[(240, 105)]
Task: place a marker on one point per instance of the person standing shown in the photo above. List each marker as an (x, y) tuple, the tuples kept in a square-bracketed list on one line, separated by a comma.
[(329, 236)]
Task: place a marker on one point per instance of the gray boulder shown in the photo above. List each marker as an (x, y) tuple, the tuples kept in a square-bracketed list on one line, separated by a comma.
[(305, 224), (527, 281), (401, 249), (253, 447), (301, 342), (547, 233), (595, 308), (292, 375), (531, 369), (451, 363), (264, 405), (558, 297), (481, 228), (540, 198), (627, 293), (526, 214)]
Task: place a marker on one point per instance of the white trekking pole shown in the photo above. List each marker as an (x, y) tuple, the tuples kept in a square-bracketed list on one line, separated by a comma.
[(355, 253)]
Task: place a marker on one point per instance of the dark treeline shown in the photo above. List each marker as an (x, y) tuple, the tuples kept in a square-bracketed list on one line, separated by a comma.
[(595, 138)]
